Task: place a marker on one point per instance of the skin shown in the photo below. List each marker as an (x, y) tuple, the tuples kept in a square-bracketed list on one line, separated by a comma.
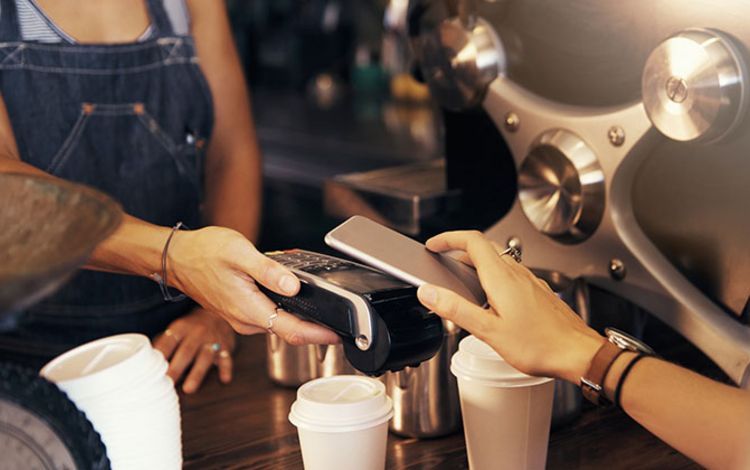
[(217, 266), (536, 332)]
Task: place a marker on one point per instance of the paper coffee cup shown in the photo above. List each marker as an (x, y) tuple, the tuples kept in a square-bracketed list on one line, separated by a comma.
[(506, 413), (342, 423), (120, 383)]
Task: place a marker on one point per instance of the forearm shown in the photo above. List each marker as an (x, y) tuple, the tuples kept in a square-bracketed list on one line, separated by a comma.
[(11, 164), (705, 420), (134, 248), (233, 196), (233, 168)]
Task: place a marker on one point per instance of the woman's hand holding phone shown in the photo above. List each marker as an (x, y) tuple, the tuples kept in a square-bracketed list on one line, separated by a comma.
[(526, 322)]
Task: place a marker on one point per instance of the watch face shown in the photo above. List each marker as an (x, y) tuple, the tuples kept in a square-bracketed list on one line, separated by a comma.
[(625, 341), (28, 442)]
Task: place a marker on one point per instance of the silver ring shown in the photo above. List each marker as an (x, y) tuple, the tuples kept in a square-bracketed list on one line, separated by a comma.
[(271, 319), (214, 347), (171, 334), (513, 252)]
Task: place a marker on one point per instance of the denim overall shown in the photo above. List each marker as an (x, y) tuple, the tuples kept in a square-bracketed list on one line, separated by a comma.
[(129, 119)]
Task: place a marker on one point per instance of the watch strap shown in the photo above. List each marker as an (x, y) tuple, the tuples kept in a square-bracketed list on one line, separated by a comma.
[(592, 383)]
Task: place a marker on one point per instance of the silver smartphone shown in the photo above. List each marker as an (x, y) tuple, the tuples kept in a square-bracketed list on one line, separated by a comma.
[(403, 258)]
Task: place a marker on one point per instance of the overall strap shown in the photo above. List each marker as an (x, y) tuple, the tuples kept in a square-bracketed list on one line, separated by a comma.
[(160, 18), (10, 30)]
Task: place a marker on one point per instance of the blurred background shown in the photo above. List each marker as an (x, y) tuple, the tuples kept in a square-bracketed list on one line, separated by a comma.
[(335, 97), (332, 94)]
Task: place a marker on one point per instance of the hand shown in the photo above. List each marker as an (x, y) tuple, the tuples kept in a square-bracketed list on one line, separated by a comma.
[(526, 323), (187, 343), (218, 268)]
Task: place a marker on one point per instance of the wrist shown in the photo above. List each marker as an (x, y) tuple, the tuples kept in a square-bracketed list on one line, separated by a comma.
[(579, 361), (615, 372), (179, 258), (135, 248)]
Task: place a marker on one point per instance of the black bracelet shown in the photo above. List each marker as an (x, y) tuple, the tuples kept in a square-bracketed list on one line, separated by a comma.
[(162, 279), (624, 375)]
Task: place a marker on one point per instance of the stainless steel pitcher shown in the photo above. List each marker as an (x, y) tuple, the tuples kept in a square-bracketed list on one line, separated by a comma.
[(425, 398), (566, 405), (291, 366)]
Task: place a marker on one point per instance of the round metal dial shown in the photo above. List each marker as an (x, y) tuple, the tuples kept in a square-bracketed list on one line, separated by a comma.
[(27, 442), (693, 86), (459, 60), (561, 187)]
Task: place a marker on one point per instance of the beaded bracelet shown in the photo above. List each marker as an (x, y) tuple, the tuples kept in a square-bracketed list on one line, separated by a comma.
[(162, 279)]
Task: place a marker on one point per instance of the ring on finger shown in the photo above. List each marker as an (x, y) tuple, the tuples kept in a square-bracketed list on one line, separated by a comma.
[(271, 319), (171, 334), (213, 347), (224, 354), (513, 252)]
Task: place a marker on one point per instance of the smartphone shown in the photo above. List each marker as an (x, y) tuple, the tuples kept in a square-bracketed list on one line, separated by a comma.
[(404, 258)]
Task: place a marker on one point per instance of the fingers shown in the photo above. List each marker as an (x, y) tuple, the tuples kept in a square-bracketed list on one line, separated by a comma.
[(455, 308), (296, 331), (480, 251), (186, 352), (269, 273), (167, 343), (225, 364), (203, 362), (289, 327)]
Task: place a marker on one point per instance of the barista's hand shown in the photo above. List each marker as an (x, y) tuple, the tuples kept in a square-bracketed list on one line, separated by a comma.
[(527, 324), (188, 343), (218, 268)]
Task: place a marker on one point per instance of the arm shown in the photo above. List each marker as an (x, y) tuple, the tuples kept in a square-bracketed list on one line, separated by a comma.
[(217, 267), (705, 420), (538, 334), (233, 191), (233, 169)]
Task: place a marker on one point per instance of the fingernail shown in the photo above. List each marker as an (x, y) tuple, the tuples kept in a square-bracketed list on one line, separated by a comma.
[(288, 284), (428, 295)]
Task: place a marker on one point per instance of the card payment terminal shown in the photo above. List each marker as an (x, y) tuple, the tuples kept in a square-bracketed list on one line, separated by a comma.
[(382, 324)]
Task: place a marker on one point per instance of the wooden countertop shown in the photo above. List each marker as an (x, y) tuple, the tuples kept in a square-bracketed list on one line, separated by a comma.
[(244, 426)]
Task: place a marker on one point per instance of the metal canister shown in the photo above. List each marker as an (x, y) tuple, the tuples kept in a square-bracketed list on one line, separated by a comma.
[(566, 406), (291, 366), (425, 398)]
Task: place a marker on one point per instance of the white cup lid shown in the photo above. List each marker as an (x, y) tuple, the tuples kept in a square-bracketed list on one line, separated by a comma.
[(477, 361), (342, 403), (102, 365)]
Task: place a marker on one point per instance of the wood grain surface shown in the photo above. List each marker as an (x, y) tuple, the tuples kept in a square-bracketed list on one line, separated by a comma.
[(244, 425)]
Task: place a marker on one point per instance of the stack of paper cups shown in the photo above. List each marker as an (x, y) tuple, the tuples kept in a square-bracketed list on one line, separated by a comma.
[(121, 384), (342, 423), (506, 413)]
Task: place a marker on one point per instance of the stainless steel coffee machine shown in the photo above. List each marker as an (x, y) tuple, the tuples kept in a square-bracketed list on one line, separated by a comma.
[(627, 131)]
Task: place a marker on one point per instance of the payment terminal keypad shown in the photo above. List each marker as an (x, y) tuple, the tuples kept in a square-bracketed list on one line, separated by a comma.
[(309, 262)]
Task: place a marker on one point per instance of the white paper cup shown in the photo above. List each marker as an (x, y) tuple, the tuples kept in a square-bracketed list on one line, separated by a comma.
[(506, 413), (121, 384), (100, 366), (342, 423)]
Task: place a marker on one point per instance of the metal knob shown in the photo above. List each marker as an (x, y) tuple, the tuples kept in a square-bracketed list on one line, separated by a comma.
[(694, 86), (459, 58), (561, 187)]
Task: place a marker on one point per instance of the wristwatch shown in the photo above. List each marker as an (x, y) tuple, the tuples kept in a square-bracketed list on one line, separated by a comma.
[(618, 342)]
